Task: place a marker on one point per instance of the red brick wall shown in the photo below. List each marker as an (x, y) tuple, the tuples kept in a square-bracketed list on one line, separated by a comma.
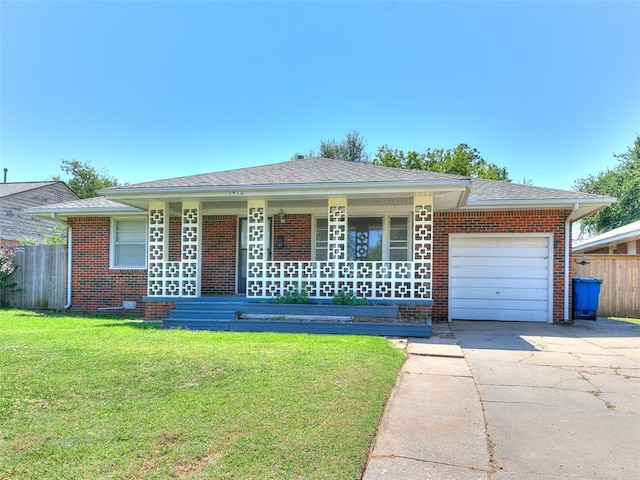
[(296, 232), (219, 250), (93, 284), (175, 243), (510, 221), (158, 310), (598, 251), (414, 313), (621, 249)]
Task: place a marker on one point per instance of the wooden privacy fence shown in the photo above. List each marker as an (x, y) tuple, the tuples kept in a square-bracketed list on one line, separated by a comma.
[(620, 289), (41, 278)]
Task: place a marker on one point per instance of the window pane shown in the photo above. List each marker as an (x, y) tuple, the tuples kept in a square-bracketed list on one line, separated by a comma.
[(130, 231), (322, 231), (364, 239), (399, 239), (128, 255), (129, 249), (398, 222), (398, 255), (322, 238), (399, 236)]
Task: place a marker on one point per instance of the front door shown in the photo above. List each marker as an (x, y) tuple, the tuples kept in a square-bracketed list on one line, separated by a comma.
[(242, 253)]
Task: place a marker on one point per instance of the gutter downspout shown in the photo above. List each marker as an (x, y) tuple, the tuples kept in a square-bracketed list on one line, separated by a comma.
[(567, 259), (69, 255)]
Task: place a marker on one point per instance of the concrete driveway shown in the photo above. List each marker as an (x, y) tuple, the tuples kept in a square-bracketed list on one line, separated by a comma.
[(507, 401)]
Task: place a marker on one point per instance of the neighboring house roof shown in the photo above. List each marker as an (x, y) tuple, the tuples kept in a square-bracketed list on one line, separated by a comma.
[(626, 233), (322, 177), (17, 197), (12, 188)]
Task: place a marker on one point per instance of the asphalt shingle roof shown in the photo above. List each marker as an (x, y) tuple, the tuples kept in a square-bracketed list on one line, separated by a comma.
[(488, 190), (298, 172), (11, 188), (319, 171)]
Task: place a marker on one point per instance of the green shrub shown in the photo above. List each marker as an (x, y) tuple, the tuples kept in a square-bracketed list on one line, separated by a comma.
[(294, 296), (348, 298)]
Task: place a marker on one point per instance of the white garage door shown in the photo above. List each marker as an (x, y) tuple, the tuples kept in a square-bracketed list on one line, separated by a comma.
[(501, 277)]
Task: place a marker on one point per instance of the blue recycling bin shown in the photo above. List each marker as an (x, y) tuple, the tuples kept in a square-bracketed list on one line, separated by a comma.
[(586, 291)]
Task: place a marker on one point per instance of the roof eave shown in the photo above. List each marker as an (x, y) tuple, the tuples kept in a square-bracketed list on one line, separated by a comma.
[(290, 189), (63, 214), (581, 207)]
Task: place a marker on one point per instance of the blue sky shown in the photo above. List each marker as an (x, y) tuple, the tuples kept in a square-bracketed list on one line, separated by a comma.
[(150, 90)]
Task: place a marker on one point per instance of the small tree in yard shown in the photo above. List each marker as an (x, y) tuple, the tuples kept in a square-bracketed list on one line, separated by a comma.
[(7, 267)]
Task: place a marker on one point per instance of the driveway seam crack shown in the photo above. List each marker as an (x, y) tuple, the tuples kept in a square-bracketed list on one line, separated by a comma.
[(434, 462)]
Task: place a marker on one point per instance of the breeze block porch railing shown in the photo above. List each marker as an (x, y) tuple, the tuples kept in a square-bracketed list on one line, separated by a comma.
[(373, 280)]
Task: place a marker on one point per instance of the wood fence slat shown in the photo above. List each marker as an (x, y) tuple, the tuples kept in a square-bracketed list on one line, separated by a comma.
[(40, 278), (620, 289)]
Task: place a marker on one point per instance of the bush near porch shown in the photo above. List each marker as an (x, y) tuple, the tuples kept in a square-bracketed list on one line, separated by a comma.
[(97, 397)]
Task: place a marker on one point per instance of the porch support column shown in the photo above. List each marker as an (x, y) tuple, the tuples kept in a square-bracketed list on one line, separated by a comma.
[(256, 247), (190, 247), (158, 248), (337, 248), (422, 246), (337, 224)]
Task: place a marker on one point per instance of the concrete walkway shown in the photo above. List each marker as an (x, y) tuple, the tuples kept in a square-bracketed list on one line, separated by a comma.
[(507, 401)]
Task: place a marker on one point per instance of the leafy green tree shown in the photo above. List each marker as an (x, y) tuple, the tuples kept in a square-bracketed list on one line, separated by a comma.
[(85, 180), (622, 182), (461, 160), (352, 148), (56, 235)]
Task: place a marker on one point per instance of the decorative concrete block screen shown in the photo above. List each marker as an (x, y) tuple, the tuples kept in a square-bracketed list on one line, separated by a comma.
[(173, 279), (379, 280), (321, 279)]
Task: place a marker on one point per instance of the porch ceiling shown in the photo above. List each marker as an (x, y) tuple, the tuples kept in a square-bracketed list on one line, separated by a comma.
[(292, 204)]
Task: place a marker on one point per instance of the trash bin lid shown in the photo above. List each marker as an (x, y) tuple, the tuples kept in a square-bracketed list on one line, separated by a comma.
[(587, 280)]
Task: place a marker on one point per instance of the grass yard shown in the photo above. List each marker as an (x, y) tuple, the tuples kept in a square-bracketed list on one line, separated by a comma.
[(625, 319), (99, 397)]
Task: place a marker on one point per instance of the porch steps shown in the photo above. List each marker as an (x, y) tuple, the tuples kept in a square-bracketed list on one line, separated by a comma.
[(250, 316), (201, 315)]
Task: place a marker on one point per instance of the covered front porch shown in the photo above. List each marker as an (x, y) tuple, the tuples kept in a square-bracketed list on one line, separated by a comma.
[(276, 246)]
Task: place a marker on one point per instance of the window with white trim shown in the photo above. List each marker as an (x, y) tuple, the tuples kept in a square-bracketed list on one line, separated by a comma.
[(398, 239), (128, 243), (369, 238)]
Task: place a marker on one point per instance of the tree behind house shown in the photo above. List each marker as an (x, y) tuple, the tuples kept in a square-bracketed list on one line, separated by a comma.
[(85, 180), (352, 148), (461, 160), (622, 182)]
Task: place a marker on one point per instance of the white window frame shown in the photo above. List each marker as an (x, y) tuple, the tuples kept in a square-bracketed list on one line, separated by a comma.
[(386, 230), (112, 243)]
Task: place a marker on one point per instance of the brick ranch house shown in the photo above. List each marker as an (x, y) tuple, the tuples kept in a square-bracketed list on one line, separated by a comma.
[(440, 246)]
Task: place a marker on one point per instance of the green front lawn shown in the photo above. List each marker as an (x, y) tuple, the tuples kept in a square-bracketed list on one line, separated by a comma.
[(102, 398)]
